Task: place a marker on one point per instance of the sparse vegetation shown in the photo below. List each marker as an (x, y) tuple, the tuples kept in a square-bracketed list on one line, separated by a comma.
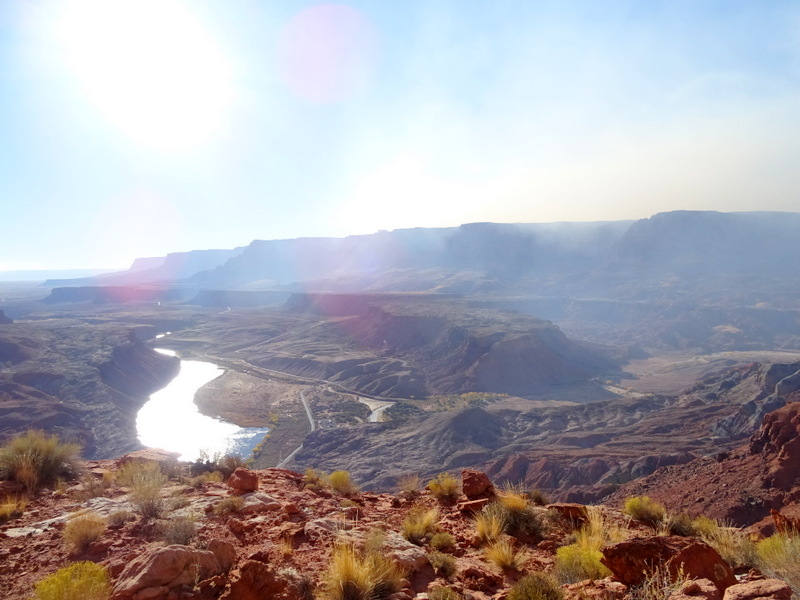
[(341, 483), (538, 498), (420, 525), (581, 559), (490, 524), (536, 586), (409, 484), (83, 529), (443, 564), (315, 480), (78, 581), (179, 530), (203, 478), (443, 541), (11, 507), (658, 585), (643, 509), (353, 576), (735, 547), (503, 554), (35, 459), (145, 481), (445, 488), (779, 556), (520, 518), (229, 505), (682, 525), (119, 517), (441, 592)]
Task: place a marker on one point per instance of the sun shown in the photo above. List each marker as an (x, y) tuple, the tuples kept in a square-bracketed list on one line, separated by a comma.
[(149, 67)]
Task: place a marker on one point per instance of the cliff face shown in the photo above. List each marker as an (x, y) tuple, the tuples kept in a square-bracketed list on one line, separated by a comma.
[(81, 381)]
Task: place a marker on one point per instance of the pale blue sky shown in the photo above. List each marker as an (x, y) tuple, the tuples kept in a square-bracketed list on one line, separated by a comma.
[(141, 128)]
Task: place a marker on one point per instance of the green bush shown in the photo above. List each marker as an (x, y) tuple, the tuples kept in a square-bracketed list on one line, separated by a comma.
[(440, 592), (536, 586), (577, 562), (35, 459), (78, 581), (643, 509)]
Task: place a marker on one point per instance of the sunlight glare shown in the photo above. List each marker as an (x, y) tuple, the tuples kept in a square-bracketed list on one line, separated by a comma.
[(150, 67)]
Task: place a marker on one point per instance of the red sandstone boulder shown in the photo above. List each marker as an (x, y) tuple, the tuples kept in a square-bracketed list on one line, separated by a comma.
[(476, 485), (153, 573), (596, 589), (631, 562), (778, 441), (243, 481), (696, 589), (257, 580), (575, 513), (766, 589)]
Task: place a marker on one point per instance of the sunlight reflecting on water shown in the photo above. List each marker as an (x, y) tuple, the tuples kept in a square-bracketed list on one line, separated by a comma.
[(172, 421)]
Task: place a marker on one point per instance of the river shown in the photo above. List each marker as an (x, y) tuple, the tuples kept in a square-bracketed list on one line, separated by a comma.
[(172, 421)]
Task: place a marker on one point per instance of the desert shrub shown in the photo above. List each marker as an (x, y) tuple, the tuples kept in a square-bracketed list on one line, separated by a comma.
[(419, 525), (78, 581), (735, 547), (83, 529), (409, 484), (11, 507), (443, 564), (581, 559), (179, 530), (490, 523), (503, 554), (315, 480), (341, 483), (229, 505), (779, 556), (536, 586), (445, 488), (225, 464), (440, 592), (145, 482), (353, 576), (538, 498), (203, 478), (35, 459), (93, 487), (658, 585), (643, 509), (682, 525), (119, 517), (443, 541), (300, 585), (521, 519)]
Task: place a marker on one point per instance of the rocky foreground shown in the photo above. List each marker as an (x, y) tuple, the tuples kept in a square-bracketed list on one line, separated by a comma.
[(272, 533)]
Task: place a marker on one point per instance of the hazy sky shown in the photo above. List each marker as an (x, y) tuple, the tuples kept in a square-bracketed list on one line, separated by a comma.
[(142, 127)]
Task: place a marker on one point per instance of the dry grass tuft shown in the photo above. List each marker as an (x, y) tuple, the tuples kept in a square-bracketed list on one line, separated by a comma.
[(145, 482), (443, 564), (503, 554), (419, 525), (779, 556), (352, 576), (490, 524), (409, 484), (443, 541), (83, 529), (179, 530), (229, 505), (445, 488), (11, 507), (536, 586)]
